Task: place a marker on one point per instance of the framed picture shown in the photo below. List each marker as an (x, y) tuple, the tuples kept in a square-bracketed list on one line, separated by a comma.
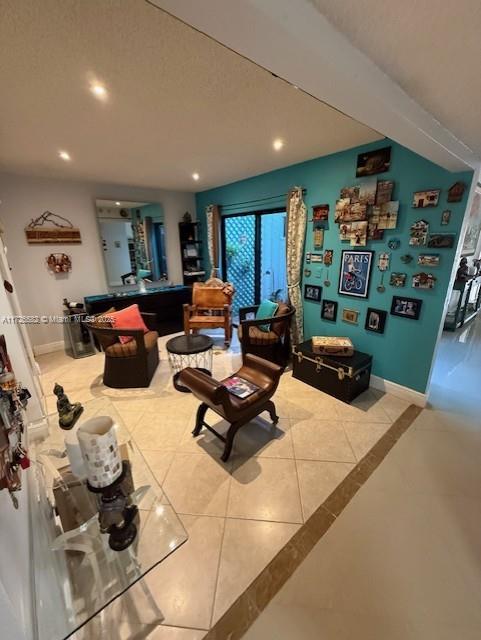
[(397, 279), (375, 320), (373, 162), (355, 273), (329, 310), (428, 260), (320, 212), (423, 280), (350, 315), (456, 192), (312, 292), (367, 190), (446, 217), (423, 199), (473, 226), (384, 191), (406, 307), (441, 241)]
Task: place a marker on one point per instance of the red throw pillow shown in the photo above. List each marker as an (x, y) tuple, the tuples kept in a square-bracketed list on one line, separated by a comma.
[(128, 318)]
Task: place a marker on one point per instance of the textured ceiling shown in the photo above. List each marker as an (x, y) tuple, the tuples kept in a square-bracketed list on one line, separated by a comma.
[(178, 102), (432, 49)]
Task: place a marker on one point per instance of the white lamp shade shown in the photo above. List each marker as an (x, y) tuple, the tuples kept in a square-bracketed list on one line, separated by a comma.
[(98, 443)]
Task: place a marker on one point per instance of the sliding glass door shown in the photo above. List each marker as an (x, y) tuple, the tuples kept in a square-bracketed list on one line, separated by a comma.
[(254, 256)]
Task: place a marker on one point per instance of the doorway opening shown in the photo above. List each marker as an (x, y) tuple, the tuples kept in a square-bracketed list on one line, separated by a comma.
[(254, 256)]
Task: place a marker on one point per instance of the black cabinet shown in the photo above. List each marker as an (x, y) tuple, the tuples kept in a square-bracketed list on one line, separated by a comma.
[(165, 302)]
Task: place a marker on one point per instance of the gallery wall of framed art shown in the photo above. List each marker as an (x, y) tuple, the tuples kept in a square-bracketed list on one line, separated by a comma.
[(372, 211)]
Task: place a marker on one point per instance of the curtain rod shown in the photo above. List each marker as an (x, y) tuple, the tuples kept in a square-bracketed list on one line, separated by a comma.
[(239, 204)]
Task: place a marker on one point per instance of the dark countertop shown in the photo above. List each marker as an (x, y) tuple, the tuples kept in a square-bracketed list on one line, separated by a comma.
[(133, 293)]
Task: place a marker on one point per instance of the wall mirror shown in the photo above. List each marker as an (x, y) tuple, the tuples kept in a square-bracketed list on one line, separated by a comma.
[(132, 235)]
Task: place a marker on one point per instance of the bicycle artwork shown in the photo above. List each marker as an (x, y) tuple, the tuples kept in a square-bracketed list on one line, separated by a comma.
[(355, 273)]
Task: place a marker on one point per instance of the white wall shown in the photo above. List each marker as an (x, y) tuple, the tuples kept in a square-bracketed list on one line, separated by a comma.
[(41, 293)]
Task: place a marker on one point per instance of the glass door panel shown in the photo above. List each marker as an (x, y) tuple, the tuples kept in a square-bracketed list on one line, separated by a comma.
[(273, 276), (239, 246)]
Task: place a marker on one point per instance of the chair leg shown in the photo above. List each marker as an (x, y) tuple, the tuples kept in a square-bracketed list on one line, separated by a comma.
[(229, 440), (201, 411), (271, 408)]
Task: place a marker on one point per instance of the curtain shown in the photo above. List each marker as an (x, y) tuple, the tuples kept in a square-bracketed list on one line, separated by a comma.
[(296, 232), (213, 230)]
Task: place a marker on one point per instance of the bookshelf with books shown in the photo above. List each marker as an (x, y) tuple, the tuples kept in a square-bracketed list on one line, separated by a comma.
[(191, 252)]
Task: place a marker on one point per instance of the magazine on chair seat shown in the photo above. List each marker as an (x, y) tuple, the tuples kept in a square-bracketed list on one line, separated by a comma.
[(240, 387)]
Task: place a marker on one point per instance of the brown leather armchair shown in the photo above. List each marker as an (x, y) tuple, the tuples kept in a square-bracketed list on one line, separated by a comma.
[(237, 411), (210, 309), (132, 364), (274, 344)]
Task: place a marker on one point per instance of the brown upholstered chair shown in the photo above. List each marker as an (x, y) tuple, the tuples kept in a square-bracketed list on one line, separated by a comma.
[(132, 364), (210, 309), (273, 344), (237, 411)]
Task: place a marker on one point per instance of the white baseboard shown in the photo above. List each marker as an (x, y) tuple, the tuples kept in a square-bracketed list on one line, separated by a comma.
[(48, 347), (416, 397)]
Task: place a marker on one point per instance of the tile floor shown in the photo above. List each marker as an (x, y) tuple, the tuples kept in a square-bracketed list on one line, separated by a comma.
[(238, 514), (403, 560)]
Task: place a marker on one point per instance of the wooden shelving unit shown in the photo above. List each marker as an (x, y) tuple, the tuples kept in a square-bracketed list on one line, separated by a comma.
[(191, 249)]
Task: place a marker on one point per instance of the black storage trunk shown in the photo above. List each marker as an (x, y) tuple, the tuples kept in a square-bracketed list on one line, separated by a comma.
[(341, 377)]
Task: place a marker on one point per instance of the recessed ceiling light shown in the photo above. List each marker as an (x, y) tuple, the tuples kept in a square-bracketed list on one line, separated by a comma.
[(98, 90), (278, 144), (196, 176), (64, 155), (118, 204)]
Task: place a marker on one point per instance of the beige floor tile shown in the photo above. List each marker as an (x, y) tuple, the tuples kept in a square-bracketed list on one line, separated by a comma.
[(303, 622), (129, 418), (159, 463), (160, 432), (367, 406), (393, 406), (364, 435), (317, 480), (440, 462), (183, 585), (265, 489), (261, 438), (248, 546), (321, 440), (198, 484)]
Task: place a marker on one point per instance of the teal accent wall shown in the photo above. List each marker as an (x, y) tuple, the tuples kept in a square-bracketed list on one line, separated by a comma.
[(403, 354)]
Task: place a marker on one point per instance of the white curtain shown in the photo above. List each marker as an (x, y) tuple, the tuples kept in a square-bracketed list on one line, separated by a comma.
[(212, 216), (296, 232)]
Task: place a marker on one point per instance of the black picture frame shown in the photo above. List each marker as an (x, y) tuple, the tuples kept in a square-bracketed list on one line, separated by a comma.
[(356, 286), (312, 292), (441, 241), (413, 305), (371, 163), (331, 317), (375, 320)]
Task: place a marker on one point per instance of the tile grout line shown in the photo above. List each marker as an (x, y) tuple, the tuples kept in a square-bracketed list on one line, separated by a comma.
[(249, 605), (221, 545), (303, 515)]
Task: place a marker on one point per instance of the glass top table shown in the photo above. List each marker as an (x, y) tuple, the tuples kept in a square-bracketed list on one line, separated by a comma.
[(75, 572)]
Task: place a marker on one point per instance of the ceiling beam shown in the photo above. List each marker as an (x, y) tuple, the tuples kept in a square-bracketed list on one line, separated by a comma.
[(293, 40)]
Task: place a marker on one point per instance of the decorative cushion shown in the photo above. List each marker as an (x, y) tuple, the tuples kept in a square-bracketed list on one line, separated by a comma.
[(266, 309), (259, 337), (280, 327), (105, 341), (119, 350), (128, 318)]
